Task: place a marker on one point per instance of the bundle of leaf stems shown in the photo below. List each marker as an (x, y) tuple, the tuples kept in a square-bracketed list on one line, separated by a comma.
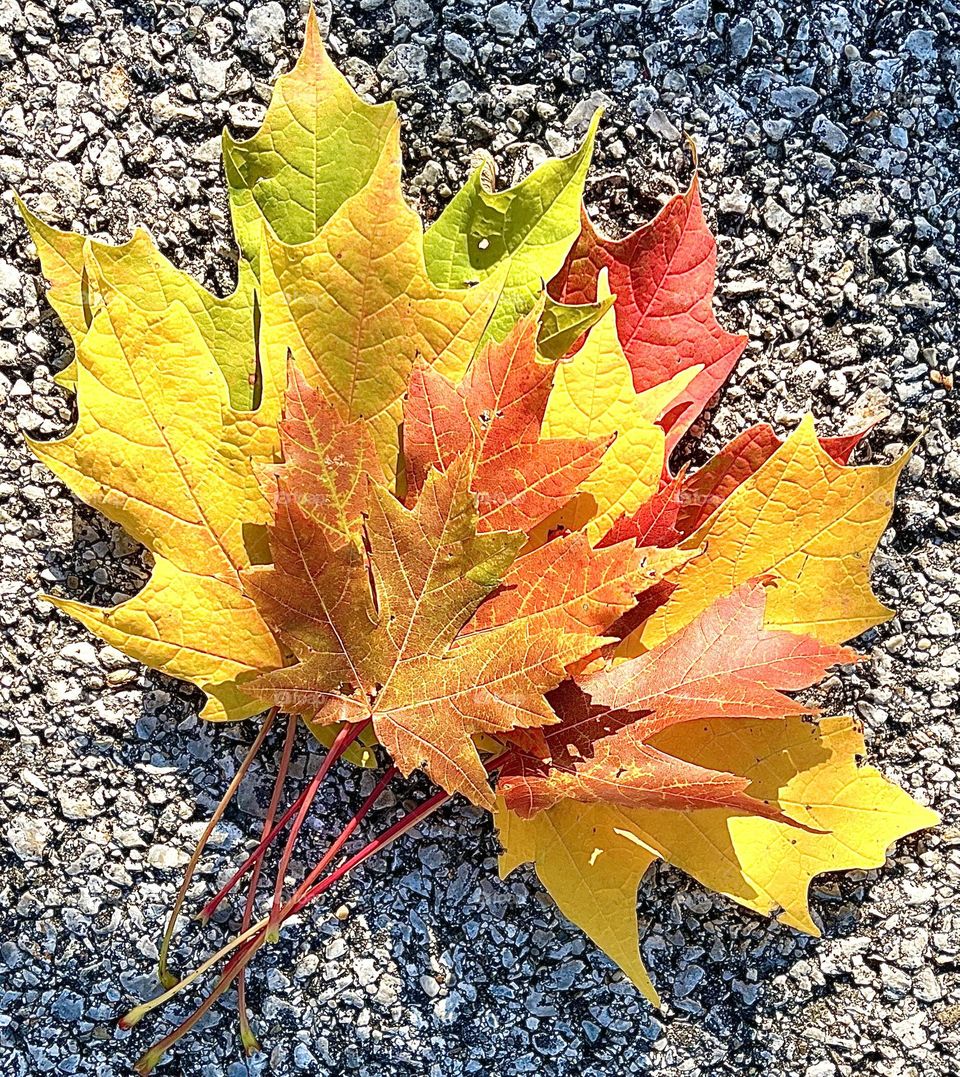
[(241, 950)]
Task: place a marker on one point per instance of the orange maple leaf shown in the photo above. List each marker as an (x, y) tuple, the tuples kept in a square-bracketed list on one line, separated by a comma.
[(519, 478), (371, 596), (724, 664)]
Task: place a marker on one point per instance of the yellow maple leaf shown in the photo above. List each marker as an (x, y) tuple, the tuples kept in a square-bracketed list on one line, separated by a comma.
[(318, 145), (811, 523), (355, 307), (159, 449), (592, 857), (593, 397)]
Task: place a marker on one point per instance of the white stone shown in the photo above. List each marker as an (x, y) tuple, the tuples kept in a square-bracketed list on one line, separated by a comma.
[(265, 24)]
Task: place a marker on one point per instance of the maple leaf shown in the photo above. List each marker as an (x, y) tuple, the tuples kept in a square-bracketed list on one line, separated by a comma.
[(808, 521), (379, 639), (655, 522), (663, 279), (519, 477), (319, 144), (566, 586), (519, 236), (158, 448), (723, 664), (592, 857), (700, 494)]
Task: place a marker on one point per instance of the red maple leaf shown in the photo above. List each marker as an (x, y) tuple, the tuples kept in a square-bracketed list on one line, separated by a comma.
[(724, 664), (663, 278)]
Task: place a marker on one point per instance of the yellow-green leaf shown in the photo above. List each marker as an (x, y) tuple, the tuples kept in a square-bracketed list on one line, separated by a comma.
[(61, 259), (318, 146), (524, 232), (355, 308), (562, 324), (148, 281)]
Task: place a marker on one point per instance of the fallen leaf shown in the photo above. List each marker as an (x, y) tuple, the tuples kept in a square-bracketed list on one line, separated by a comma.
[(808, 521), (158, 448), (663, 278), (318, 146), (706, 489), (723, 664), (566, 586), (355, 308), (592, 857), (519, 477), (378, 641)]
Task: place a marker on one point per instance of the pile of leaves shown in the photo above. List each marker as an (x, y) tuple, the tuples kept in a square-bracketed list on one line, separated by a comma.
[(400, 491)]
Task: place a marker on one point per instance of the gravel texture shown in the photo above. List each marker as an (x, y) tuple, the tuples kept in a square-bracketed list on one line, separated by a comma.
[(829, 154)]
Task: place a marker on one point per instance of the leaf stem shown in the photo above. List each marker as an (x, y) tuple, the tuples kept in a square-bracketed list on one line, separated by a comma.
[(347, 735), (252, 860), (343, 837), (134, 1016), (247, 1038), (163, 972), (148, 1060), (379, 843), (249, 941)]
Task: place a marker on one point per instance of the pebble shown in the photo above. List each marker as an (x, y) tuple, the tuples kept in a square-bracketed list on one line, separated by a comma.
[(506, 20), (921, 44), (821, 1069), (660, 125), (741, 39), (776, 218), (11, 282), (794, 101), (830, 134), (265, 24), (110, 164), (27, 837), (691, 18), (458, 47), (114, 89), (166, 857)]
